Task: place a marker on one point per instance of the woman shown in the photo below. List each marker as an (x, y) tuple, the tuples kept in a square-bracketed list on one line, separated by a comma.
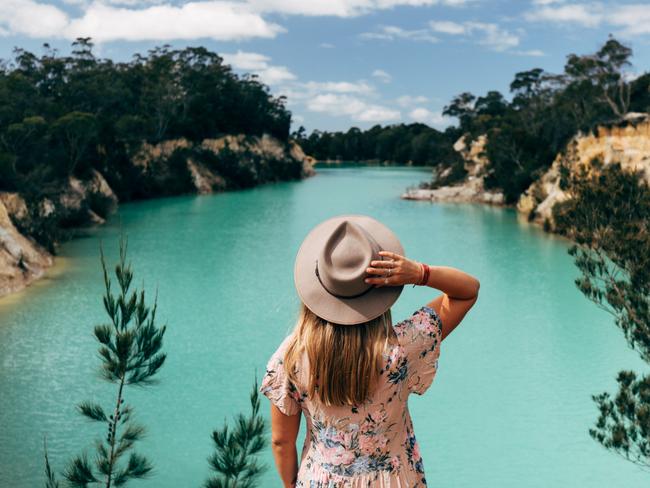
[(347, 368)]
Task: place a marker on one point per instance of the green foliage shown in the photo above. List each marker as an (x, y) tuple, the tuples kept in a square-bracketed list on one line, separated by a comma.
[(546, 110), (235, 457), (130, 347), (415, 144), (64, 115), (624, 422), (608, 217)]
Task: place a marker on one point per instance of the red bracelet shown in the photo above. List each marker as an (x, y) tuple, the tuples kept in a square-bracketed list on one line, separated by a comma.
[(425, 274), (425, 277)]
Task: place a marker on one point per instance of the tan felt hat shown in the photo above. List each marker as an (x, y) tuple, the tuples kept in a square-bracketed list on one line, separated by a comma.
[(331, 267)]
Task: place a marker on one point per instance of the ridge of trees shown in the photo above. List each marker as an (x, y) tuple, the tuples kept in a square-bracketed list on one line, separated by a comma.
[(67, 115), (524, 134)]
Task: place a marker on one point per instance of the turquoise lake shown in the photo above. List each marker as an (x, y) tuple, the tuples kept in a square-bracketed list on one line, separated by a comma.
[(511, 404)]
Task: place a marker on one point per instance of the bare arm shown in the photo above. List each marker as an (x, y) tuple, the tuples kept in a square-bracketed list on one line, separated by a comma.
[(459, 289), (284, 432)]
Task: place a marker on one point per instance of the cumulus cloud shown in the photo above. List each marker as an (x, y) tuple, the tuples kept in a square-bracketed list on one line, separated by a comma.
[(447, 27), (406, 101), (589, 15), (381, 75), (341, 8), (392, 32), (426, 116), (354, 107), (488, 34), (260, 65), (633, 19), (32, 19), (219, 20)]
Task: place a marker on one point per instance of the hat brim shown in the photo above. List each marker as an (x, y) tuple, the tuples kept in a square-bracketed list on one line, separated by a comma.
[(344, 311)]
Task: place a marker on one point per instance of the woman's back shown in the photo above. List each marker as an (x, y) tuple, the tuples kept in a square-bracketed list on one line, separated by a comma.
[(371, 444)]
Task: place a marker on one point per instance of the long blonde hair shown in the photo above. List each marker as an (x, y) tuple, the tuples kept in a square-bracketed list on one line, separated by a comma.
[(344, 360)]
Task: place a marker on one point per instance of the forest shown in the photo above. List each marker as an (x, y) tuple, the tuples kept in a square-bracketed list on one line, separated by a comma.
[(524, 133), (66, 115)]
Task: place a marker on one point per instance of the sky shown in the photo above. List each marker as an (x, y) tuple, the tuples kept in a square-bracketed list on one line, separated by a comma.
[(346, 63)]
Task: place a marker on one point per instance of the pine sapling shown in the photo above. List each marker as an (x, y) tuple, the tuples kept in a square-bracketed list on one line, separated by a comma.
[(130, 351), (235, 457)]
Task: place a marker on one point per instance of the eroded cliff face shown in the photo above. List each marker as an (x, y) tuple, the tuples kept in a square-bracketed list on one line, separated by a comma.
[(21, 259), (628, 145), (87, 202), (472, 189)]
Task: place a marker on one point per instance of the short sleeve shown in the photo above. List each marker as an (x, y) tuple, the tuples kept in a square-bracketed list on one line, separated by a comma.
[(420, 336), (276, 385)]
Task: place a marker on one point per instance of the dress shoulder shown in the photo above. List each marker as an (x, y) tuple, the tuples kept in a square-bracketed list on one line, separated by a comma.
[(420, 336), (276, 385)]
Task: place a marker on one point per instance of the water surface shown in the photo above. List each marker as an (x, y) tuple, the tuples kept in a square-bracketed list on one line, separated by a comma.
[(510, 406)]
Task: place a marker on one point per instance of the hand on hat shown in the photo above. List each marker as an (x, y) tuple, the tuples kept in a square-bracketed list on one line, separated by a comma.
[(393, 270)]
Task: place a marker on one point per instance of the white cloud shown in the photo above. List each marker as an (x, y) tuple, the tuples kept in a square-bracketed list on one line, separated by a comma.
[(631, 19), (488, 34), (219, 20), (259, 64), (327, 45), (530, 52), (391, 32), (447, 27), (32, 19), (406, 101), (341, 8), (588, 15), (381, 75), (634, 19), (351, 106), (425, 116), (494, 36)]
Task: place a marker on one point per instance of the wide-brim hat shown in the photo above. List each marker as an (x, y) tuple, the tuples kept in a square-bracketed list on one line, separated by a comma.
[(331, 264)]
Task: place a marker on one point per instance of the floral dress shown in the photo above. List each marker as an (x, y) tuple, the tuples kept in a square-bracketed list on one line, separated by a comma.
[(372, 444)]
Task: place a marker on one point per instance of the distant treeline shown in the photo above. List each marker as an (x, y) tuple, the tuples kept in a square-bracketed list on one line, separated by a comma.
[(524, 134), (416, 144), (65, 115)]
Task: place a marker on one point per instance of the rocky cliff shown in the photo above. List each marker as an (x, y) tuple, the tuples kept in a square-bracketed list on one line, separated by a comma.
[(628, 144), (171, 167), (472, 188)]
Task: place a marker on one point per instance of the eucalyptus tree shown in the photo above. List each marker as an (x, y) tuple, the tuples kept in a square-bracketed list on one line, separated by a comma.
[(608, 217)]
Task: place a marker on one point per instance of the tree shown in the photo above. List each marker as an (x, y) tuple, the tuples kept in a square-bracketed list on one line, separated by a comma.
[(461, 106), (130, 347), (236, 450), (605, 70), (608, 216)]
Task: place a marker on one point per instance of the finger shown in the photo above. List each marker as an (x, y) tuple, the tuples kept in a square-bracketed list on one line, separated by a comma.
[(383, 264), (382, 271), (390, 254), (382, 281)]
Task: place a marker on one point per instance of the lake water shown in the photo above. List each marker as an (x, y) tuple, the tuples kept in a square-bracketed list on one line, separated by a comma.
[(511, 405)]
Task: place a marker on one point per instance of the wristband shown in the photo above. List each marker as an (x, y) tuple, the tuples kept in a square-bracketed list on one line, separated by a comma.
[(424, 275), (425, 278)]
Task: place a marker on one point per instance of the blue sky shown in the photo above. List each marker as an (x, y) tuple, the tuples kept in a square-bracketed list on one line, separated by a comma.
[(344, 63)]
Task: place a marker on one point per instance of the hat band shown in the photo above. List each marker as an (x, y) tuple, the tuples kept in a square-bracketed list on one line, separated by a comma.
[(340, 296)]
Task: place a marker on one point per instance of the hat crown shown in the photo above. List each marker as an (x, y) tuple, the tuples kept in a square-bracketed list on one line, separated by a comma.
[(343, 259)]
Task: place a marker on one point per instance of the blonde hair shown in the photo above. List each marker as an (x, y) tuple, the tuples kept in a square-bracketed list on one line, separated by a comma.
[(344, 360)]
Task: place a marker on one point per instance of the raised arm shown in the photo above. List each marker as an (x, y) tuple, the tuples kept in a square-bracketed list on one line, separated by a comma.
[(459, 289)]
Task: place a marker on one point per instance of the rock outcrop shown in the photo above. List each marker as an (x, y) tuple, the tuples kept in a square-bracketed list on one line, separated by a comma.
[(472, 189), (628, 145), (21, 259), (170, 167)]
